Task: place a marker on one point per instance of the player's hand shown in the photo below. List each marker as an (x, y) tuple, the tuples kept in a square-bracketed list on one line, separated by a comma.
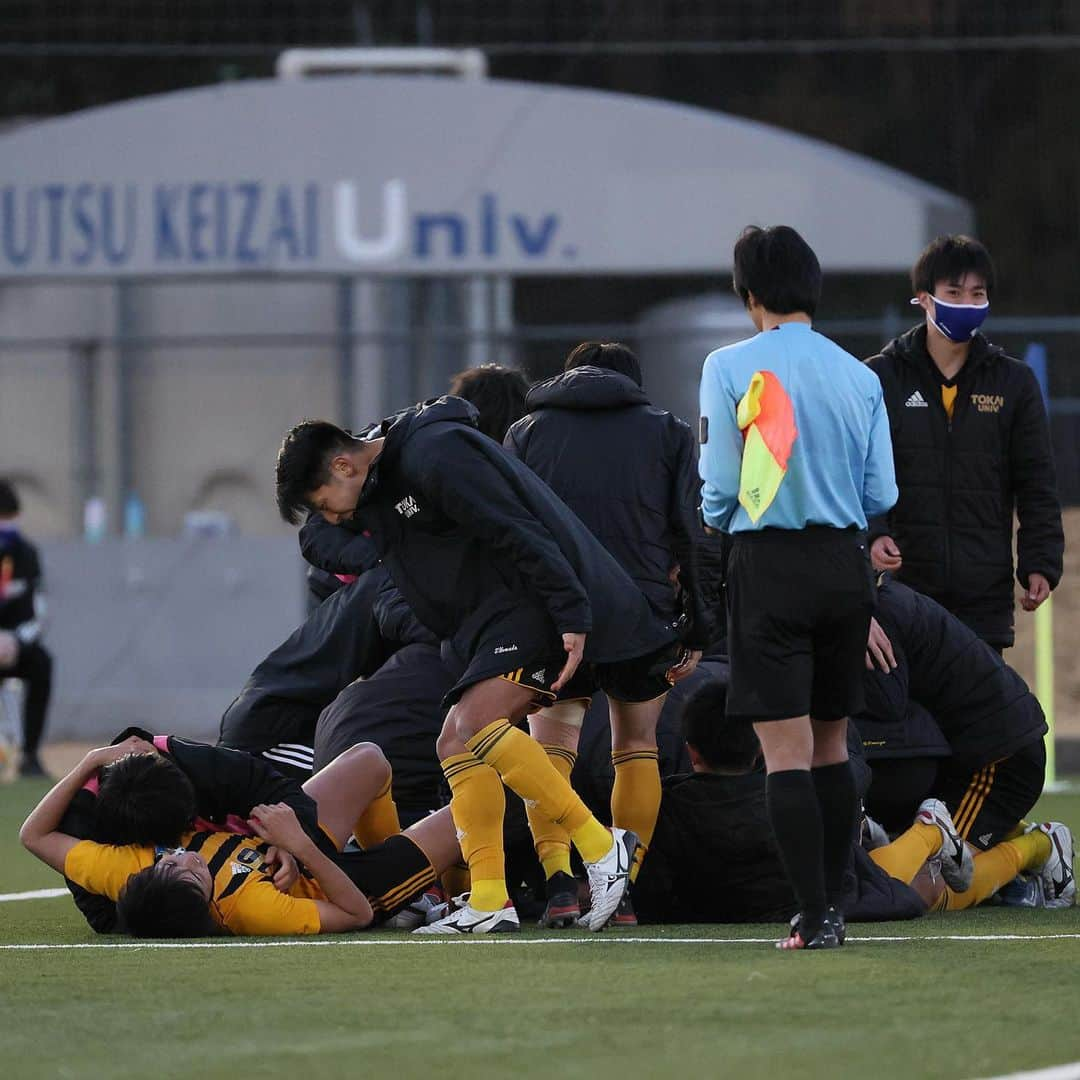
[(287, 873), (1037, 591), (106, 755), (885, 555), (879, 650), (685, 666), (9, 649), (574, 644), (277, 824)]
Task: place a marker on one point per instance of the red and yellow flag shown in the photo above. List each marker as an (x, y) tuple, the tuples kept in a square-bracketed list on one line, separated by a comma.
[(766, 418)]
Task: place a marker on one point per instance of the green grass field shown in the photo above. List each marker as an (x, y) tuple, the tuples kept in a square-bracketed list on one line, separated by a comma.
[(974, 994)]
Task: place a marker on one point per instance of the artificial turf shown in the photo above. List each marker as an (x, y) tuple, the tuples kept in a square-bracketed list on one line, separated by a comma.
[(689, 1001)]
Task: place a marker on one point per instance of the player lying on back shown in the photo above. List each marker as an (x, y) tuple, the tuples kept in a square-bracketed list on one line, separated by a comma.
[(225, 881)]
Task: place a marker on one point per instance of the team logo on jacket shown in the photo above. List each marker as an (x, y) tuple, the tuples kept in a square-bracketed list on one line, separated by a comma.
[(916, 401), (407, 507), (990, 403)]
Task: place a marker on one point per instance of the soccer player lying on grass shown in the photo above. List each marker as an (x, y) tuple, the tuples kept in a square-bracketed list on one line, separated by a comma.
[(220, 880)]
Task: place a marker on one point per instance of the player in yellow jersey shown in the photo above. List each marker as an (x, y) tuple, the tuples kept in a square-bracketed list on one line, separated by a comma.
[(276, 882)]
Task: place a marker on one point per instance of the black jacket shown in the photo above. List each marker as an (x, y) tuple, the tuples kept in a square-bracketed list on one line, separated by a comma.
[(961, 481), (466, 530), (629, 472), (20, 581), (984, 710)]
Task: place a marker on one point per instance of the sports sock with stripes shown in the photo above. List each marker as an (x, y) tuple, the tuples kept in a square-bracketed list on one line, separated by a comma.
[(993, 868), (552, 841), (839, 803), (635, 798), (379, 821), (526, 769), (904, 857), (796, 822), (477, 806)]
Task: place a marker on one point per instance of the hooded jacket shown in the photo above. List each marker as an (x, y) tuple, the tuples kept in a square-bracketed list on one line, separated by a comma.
[(629, 472), (961, 481), (467, 531)]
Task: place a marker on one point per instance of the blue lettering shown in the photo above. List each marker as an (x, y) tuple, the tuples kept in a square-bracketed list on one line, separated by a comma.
[(166, 234), (284, 225), (117, 253), (534, 243), (197, 221), (12, 252), (311, 220), (249, 194), (84, 224), (54, 199), (221, 219), (454, 225), (489, 224)]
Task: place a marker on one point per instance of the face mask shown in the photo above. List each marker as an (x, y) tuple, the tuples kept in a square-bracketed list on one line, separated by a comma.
[(958, 322)]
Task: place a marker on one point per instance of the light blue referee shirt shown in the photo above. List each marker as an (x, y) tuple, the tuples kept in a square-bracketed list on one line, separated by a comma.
[(840, 472)]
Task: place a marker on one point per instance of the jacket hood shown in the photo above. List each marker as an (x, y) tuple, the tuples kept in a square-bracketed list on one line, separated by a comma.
[(586, 387), (911, 348)]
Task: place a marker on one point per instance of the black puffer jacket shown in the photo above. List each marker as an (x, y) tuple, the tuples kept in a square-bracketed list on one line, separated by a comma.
[(961, 481), (629, 471), (466, 530)]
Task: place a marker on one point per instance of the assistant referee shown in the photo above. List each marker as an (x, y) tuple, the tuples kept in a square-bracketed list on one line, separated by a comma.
[(795, 456)]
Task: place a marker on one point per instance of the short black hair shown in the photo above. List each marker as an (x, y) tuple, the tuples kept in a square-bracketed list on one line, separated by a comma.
[(612, 355), (779, 267), (153, 904), (303, 464), (723, 743), (143, 799), (9, 499), (949, 258), (497, 392)]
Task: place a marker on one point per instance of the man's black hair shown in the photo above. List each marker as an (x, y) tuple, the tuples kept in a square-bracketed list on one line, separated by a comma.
[(779, 267), (724, 744), (143, 799), (153, 904), (497, 392), (303, 464), (949, 258), (612, 355), (9, 500)]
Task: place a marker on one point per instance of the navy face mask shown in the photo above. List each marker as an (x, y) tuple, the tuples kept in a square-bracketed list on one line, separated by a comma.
[(958, 322)]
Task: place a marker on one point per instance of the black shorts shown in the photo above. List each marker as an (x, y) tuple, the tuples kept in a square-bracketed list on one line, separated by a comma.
[(988, 804), (799, 606), (389, 875), (521, 646)]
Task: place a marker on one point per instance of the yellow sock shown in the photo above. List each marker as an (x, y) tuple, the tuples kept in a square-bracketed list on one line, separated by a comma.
[(993, 868), (552, 841), (477, 806), (635, 798), (1034, 847), (526, 769), (379, 821), (903, 858)]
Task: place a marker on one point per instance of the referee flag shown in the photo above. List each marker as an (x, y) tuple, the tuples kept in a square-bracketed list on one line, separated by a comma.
[(766, 418)]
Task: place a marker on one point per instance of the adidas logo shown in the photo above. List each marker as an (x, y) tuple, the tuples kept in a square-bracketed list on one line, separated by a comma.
[(916, 401), (754, 495), (986, 838), (239, 868), (538, 676)]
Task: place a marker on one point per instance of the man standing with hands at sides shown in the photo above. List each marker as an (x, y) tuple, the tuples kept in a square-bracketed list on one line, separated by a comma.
[(972, 447), (795, 457)]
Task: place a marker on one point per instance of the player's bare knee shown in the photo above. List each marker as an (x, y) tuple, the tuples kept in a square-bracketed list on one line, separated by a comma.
[(369, 757), (449, 742)]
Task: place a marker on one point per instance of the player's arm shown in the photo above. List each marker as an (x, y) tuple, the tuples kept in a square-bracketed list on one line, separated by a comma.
[(345, 907), (879, 492), (40, 833), (721, 450)]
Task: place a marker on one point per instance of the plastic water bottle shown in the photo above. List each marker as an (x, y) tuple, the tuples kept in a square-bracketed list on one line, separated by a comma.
[(95, 519), (134, 517)]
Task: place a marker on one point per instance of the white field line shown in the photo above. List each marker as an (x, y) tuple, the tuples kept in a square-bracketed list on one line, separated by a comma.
[(1055, 1072), (611, 939), (35, 894)]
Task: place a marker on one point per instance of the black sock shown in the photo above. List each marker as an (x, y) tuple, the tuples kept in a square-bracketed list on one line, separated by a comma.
[(796, 821), (836, 795)]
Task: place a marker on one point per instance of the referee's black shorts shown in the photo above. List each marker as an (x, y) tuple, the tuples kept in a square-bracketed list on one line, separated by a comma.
[(799, 606)]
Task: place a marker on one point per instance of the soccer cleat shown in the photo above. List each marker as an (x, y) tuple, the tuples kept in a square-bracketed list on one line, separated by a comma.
[(624, 913), (427, 908), (1025, 891), (823, 938), (467, 920), (873, 834), (562, 908), (957, 862), (609, 878), (1058, 882)]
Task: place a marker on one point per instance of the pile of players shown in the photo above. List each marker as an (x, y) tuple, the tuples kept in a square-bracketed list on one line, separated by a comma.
[(510, 557)]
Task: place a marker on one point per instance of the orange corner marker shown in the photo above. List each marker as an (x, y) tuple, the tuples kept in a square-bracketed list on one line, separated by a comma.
[(766, 418)]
